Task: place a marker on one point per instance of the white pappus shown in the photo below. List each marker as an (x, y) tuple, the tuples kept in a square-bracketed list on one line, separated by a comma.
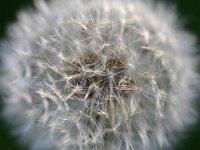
[(95, 75)]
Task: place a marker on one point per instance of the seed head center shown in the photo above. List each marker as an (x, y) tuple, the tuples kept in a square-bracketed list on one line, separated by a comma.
[(98, 79)]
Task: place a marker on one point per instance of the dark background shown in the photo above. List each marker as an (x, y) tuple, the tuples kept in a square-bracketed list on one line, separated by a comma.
[(188, 10)]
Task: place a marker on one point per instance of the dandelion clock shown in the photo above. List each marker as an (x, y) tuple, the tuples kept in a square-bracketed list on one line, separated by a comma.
[(98, 75)]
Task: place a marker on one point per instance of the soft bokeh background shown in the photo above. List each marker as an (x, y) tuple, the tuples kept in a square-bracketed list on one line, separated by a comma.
[(189, 12)]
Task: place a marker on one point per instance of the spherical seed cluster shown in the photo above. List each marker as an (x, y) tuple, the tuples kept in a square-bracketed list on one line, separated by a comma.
[(94, 75)]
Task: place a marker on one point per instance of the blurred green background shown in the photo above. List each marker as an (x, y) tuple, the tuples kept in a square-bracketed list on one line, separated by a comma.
[(189, 11)]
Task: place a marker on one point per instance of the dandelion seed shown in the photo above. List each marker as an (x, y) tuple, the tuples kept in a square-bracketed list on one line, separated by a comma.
[(94, 75)]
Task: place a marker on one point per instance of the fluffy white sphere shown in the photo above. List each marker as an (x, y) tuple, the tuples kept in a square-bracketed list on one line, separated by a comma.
[(95, 75)]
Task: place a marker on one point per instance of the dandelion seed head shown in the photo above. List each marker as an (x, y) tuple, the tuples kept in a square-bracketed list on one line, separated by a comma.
[(98, 75)]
